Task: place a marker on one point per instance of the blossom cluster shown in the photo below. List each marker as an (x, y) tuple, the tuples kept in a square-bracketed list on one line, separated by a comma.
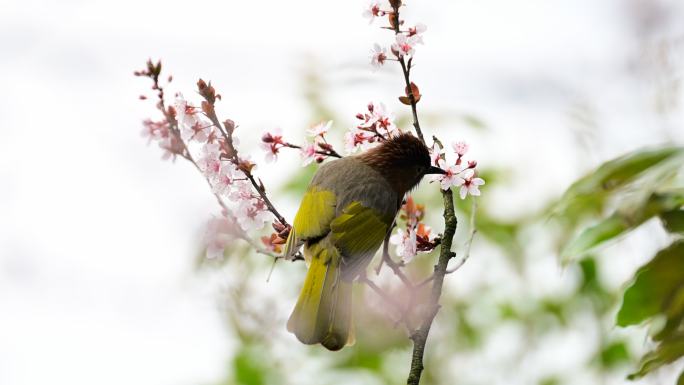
[(462, 174), (376, 124), (195, 134), (415, 237), (225, 173), (405, 40), (158, 131), (318, 150)]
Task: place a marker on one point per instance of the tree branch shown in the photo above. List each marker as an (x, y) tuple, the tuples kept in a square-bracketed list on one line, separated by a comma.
[(154, 73), (419, 336), (406, 70)]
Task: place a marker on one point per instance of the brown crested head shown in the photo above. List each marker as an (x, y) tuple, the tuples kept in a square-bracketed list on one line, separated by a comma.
[(403, 160)]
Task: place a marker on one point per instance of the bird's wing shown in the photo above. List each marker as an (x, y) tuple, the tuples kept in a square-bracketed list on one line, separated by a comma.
[(313, 219), (358, 232)]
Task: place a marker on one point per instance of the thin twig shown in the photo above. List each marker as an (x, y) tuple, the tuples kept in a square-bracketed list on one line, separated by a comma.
[(395, 266), (406, 70), (387, 298), (468, 244), (330, 152)]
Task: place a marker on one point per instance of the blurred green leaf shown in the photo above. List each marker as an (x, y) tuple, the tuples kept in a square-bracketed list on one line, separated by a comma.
[(588, 193), (363, 358), (595, 235), (589, 270), (619, 171), (299, 181), (668, 351), (550, 381), (249, 368), (680, 381), (592, 287), (555, 307), (614, 354), (654, 286), (673, 221), (673, 310), (622, 221), (473, 121)]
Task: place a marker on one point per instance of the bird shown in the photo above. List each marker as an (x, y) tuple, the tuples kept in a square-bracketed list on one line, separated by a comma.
[(347, 211)]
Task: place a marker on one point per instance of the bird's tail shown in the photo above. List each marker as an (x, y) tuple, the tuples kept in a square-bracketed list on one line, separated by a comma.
[(323, 311)]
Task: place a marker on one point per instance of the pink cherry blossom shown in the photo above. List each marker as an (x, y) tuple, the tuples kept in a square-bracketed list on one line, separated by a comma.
[(172, 146), (372, 11), (451, 178), (378, 56), (377, 120), (320, 129), (155, 130), (217, 236), (417, 32), (404, 45), (209, 162), (354, 139), (251, 215), (470, 184), (187, 119), (406, 242), (198, 132), (436, 156), (308, 153), (272, 142), (241, 189), (384, 120), (224, 179), (271, 152), (460, 148)]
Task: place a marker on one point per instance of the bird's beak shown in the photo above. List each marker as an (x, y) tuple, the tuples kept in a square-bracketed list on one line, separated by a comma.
[(435, 170)]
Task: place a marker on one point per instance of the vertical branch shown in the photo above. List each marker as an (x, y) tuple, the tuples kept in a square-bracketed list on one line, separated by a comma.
[(419, 336), (406, 70)]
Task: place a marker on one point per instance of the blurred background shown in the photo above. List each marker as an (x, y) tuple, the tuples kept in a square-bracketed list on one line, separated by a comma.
[(102, 276)]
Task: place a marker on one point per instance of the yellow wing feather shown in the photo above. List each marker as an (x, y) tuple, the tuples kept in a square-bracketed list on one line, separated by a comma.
[(358, 233), (313, 219)]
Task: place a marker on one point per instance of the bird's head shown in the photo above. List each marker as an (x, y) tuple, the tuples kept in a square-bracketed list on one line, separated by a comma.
[(403, 159)]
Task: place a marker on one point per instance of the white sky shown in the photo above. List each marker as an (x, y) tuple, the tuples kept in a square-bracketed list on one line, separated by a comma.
[(97, 234)]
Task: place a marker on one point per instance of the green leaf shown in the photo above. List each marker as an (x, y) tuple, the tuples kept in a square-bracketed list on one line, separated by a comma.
[(473, 121), (614, 354), (653, 287), (299, 181), (667, 351), (588, 194), (362, 358), (623, 220), (607, 229), (622, 170), (552, 380), (249, 368), (673, 221), (680, 381)]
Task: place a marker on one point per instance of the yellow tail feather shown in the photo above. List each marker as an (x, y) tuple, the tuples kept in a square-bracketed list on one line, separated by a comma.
[(323, 311)]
